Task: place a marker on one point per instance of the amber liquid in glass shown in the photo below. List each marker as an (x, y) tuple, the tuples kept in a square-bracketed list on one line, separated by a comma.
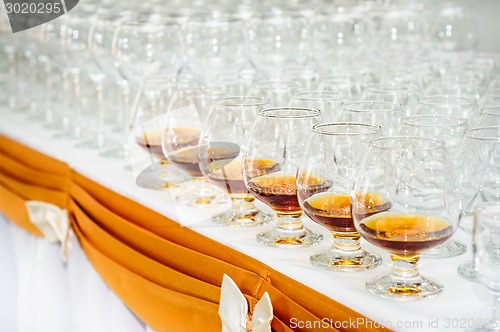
[(333, 210), (278, 190), (187, 158), (152, 140), (405, 234), (230, 177)]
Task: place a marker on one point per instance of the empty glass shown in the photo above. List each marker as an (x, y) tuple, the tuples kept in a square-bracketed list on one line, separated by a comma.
[(385, 114), (328, 102), (215, 45), (486, 239), (404, 94), (479, 179), (489, 116), (448, 105), (277, 40)]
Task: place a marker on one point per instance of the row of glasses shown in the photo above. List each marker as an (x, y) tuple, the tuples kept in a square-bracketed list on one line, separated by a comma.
[(268, 160)]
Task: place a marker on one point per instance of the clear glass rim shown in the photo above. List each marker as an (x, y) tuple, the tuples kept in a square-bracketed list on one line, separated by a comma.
[(495, 92), (212, 19), (432, 100), (425, 143), (486, 206), (276, 84), (351, 106), (476, 133), (387, 87), (491, 110), (243, 101), (322, 128), (447, 121), (346, 78), (202, 91), (320, 95), (145, 20), (290, 112)]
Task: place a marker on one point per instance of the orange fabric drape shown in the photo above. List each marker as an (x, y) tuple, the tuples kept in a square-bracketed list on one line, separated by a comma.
[(168, 275)]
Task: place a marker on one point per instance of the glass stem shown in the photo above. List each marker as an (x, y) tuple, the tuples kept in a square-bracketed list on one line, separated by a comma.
[(404, 268), (290, 222), (99, 87), (11, 58), (346, 241), (244, 206), (495, 319), (124, 117), (49, 91), (77, 107)]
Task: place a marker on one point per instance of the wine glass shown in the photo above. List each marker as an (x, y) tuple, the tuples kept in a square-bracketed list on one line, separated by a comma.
[(149, 109), (404, 94), (146, 46), (489, 116), (118, 97), (479, 179), (279, 135), (337, 38), (486, 239), (227, 129), (454, 28), (448, 105), (333, 154), (490, 98), (276, 41), (463, 85), (329, 102), (183, 123), (385, 114), (414, 176), (279, 92), (215, 44), (480, 173), (352, 84), (451, 131)]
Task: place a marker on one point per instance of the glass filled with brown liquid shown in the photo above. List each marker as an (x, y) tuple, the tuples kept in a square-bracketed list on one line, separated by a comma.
[(414, 175), (334, 153), (220, 157), (279, 136), (183, 123)]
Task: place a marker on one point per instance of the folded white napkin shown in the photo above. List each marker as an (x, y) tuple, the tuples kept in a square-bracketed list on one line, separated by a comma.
[(233, 310), (53, 222)]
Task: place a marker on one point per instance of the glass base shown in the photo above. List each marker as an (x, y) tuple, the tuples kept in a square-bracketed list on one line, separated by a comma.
[(493, 326), (284, 238), (446, 250), (237, 218), (72, 134), (404, 289), (119, 152), (93, 143), (159, 175), (467, 271), (346, 261), (201, 194)]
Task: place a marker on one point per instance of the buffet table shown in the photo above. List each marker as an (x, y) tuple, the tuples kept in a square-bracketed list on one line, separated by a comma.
[(140, 262)]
